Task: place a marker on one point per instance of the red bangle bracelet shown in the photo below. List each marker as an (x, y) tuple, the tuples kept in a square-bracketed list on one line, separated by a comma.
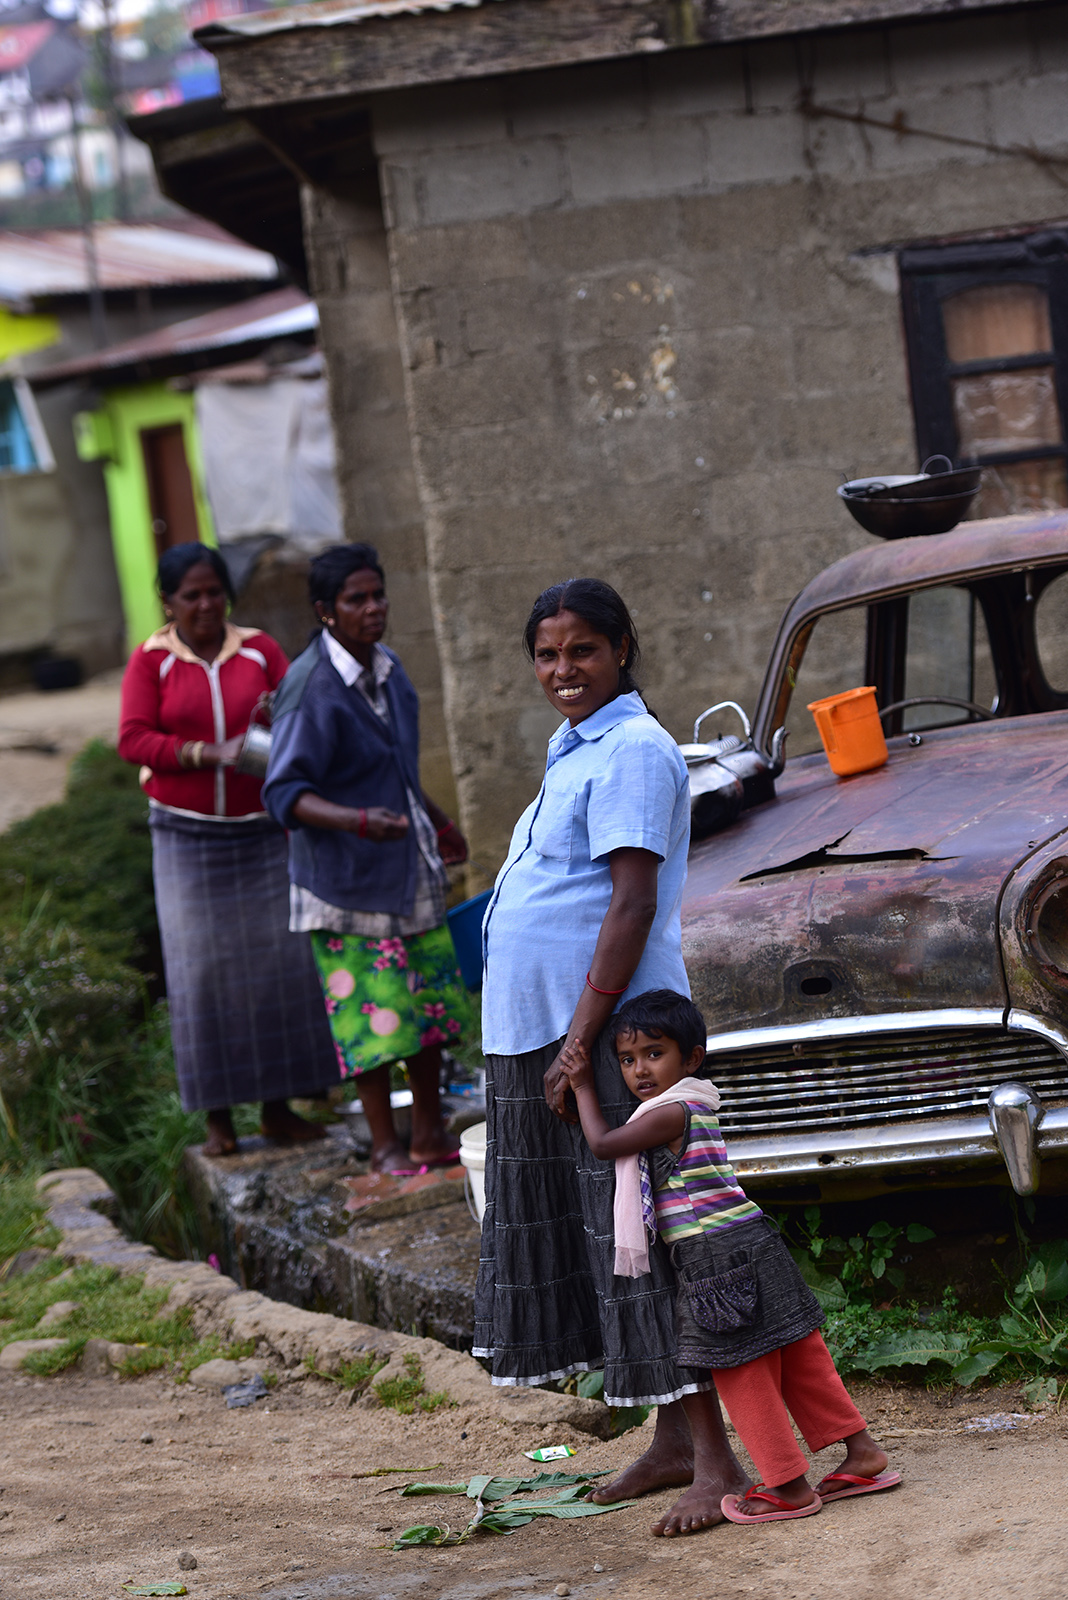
[(361, 826), (595, 989)]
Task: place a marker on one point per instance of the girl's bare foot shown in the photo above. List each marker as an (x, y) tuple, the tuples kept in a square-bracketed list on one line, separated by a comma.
[(221, 1140), (283, 1125), (796, 1494)]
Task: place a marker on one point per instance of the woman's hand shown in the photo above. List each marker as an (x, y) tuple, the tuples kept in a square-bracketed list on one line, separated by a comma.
[(558, 1096), (378, 823), (373, 822), (452, 844)]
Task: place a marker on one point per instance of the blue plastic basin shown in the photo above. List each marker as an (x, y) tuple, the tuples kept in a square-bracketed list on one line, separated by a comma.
[(465, 925)]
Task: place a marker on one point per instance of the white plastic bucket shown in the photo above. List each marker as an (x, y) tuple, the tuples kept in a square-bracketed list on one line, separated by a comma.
[(473, 1157)]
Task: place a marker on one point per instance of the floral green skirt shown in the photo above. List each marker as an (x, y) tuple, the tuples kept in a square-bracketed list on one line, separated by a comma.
[(387, 999)]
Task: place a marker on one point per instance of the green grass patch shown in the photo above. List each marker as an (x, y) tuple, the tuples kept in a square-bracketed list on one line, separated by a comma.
[(91, 855), (119, 1309), (352, 1375), (409, 1394), (22, 1216)]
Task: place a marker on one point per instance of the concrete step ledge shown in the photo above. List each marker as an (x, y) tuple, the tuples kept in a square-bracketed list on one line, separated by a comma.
[(77, 1196)]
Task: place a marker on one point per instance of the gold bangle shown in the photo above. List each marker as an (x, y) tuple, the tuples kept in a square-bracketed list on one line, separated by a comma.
[(198, 753), (192, 753)]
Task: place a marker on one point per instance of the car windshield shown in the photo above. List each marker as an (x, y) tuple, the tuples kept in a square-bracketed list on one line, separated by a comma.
[(947, 652)]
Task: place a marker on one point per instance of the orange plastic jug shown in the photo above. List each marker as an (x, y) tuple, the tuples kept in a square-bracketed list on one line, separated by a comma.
[(852, 734)]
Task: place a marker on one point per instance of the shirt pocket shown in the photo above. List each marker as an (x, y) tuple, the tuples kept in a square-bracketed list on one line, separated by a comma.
[(553, 830)]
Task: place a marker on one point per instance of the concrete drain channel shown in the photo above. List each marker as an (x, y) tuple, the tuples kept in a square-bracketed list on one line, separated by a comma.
[(311, 1227)]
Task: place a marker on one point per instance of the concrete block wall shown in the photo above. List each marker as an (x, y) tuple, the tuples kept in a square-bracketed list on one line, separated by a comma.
[(649, 316), (349, 269)]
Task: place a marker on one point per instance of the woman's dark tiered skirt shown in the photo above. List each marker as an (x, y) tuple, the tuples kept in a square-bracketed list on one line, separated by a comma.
[(548, 1302), (247, 1014)]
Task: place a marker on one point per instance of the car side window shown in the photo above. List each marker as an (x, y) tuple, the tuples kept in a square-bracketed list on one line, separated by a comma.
[(946, 652), (834, 660), (1051, 633)]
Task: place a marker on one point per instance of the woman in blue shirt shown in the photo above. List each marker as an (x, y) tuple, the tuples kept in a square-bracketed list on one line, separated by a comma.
[(586, 912)]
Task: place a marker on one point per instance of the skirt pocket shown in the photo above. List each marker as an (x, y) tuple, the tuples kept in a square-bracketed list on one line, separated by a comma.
[(725, 1302)]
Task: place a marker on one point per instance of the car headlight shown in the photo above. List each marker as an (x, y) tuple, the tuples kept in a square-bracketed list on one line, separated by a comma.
[(1047, 925)]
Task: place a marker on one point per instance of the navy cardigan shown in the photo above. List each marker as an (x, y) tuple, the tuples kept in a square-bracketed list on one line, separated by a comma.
[(327, 739)]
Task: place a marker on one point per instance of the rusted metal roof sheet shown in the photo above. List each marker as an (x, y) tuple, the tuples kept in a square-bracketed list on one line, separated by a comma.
[(285, 314), (51, 261), (328, 14)]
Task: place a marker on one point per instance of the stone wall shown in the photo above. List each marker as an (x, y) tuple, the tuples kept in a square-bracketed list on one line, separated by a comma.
[(649, 314), (349, 268)]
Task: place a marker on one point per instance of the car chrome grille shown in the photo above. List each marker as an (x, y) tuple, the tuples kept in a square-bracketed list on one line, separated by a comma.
[(877, 1078)]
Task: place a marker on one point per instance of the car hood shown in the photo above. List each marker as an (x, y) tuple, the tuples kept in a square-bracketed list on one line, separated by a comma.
[(876, 893)]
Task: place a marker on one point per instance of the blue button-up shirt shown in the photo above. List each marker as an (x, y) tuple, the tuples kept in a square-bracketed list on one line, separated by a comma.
[(616, 781)]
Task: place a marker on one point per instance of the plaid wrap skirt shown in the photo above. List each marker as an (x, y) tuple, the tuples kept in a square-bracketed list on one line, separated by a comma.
[(247, 1015)]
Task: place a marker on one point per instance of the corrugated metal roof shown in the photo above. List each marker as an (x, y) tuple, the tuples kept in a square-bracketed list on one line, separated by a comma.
[(51, 261), (325, 14), (280, 315)]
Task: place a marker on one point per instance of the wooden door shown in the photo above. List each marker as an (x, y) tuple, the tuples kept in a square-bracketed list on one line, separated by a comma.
[(170, 487)]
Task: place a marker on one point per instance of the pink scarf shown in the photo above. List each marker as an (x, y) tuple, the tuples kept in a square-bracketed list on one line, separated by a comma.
[(632, 1240)]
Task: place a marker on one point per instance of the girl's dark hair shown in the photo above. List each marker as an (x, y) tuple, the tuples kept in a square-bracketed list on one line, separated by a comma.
[(662, 1014), (597, 604), (329, 570), (176, 562)]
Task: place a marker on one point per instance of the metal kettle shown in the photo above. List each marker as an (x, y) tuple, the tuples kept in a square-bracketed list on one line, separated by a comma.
[(727, 775)]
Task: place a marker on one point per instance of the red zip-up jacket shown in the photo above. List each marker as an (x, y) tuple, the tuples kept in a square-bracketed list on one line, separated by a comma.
[(170, 696)]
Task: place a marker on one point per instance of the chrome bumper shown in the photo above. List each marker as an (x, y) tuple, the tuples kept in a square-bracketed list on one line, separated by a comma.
[(957, 1141)]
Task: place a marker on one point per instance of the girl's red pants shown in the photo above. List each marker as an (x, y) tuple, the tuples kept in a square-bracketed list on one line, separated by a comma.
[(800, 1379)]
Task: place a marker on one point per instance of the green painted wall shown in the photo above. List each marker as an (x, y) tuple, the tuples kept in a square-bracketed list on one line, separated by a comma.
[(112, 435), (19, 334)]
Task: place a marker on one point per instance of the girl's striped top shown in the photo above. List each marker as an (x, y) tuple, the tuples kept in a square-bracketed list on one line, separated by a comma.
[(701, 1193)]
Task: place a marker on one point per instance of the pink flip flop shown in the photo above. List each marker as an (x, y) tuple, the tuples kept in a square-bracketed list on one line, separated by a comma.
[(786, 1512), (856, 1485)]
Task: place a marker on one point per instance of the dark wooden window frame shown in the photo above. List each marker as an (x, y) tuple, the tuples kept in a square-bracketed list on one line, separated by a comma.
[(931, 275)]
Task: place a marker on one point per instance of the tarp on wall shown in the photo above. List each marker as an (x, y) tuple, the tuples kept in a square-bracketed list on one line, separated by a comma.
[(268, 453)]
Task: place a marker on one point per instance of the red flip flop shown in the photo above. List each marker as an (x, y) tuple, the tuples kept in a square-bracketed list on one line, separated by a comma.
[(856, 1485), (786, 1512)]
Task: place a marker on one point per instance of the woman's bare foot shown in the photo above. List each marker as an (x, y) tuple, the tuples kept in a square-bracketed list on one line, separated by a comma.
[(666, 1464), (863, 1457), (716, 1470), (283, 1125), (796, 1494), (221, 1140), (698, 1508)]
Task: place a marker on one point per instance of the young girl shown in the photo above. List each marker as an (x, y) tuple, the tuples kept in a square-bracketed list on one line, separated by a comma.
[(744, 1315)]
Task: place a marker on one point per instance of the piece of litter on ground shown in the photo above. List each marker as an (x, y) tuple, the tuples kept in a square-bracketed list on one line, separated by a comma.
[(155, 1588), (597, 1567), (245, 1394), (997, 1422), (550, 1452)]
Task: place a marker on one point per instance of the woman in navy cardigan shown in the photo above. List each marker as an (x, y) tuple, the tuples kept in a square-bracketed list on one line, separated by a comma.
[(367, 856)]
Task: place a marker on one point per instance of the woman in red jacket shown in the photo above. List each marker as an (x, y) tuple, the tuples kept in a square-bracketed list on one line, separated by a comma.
[(246, 1008)]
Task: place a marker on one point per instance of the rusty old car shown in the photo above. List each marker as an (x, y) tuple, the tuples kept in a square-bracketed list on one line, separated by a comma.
[(883, 959)]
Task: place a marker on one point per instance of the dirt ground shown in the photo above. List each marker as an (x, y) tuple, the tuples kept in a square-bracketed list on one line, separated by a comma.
[(105, 1481), (39, 733)]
